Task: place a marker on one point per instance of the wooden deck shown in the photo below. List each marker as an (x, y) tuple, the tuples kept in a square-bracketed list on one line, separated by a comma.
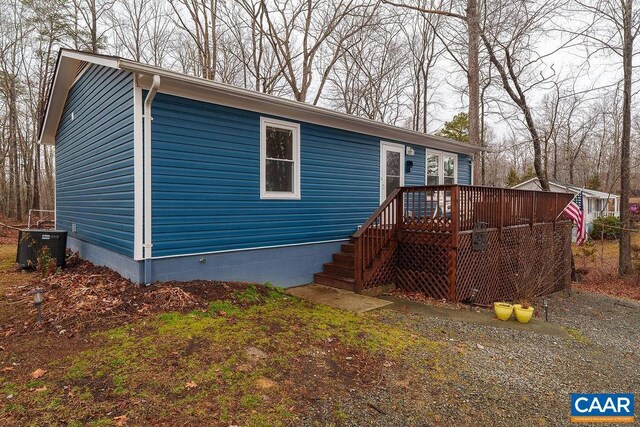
[(446, 241)]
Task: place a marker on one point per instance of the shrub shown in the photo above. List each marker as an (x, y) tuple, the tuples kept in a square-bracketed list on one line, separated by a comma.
[(607, 227)]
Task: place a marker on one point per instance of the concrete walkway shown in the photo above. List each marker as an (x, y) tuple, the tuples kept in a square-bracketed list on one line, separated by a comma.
[(482, 317), (338, 298)]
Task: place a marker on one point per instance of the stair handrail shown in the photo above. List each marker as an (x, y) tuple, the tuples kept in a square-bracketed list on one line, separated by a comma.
[(377, 212), (365, 254)]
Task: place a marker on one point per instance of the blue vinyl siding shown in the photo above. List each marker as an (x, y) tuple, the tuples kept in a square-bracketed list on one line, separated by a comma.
[(206, 181), (464, 169), (94, 160), (417, 174)]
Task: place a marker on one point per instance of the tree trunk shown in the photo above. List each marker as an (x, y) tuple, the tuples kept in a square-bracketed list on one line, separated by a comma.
[(35, 202), (625, 266), (473, 73)]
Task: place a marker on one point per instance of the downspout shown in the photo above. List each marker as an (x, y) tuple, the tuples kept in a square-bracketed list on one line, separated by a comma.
[(148, 275)]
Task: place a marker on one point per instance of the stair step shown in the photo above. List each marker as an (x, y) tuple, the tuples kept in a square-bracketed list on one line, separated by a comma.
[(344, 259), (334, 281), (348, 248), (339, 270)]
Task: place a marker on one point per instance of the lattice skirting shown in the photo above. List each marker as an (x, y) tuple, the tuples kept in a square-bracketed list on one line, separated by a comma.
[(523, 263), (527, 262), (385, 274), (424, 263)]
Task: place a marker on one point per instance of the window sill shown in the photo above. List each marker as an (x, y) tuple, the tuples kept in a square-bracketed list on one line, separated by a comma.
[(279, 196)]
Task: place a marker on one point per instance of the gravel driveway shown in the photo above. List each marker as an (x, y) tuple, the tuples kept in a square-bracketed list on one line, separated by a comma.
[(508, 377)]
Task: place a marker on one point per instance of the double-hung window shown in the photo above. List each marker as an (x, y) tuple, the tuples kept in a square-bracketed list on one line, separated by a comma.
[(442, 168), (279, 159)]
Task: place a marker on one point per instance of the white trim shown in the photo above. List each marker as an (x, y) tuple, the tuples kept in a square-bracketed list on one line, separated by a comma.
[(473, 161), (63, 79), (138, 173), (148, 242), (441, 155), (43, 139), (104, 60), (398, 148), (251, 249), (295, 128), (55, 189)]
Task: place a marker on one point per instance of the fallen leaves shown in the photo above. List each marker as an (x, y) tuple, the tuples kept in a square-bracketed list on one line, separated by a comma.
[(191, 384), (120, 421), (84, 295), (38, 373), (265, 383)]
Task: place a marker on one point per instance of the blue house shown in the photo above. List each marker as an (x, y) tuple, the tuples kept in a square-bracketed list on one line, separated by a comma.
[(164, 176)]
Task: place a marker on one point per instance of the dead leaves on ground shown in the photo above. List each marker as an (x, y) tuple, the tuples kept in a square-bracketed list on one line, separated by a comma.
[(120, 421), (38, 373)]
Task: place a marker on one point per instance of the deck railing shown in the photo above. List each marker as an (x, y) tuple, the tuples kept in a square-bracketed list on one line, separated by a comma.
[(448, 209), (376, 234)]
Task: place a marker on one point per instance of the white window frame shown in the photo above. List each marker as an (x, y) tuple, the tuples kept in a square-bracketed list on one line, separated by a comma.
[(279, 195), (441, 155), (383, 172)]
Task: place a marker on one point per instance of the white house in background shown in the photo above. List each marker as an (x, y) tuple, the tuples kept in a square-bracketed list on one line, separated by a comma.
[(596, 203)]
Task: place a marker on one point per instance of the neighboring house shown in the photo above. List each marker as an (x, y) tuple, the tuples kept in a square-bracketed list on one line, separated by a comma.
[(596, 203), (165, 176)]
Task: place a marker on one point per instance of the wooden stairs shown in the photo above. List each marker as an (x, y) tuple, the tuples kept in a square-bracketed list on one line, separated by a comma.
[(340, 272), (376, 240)]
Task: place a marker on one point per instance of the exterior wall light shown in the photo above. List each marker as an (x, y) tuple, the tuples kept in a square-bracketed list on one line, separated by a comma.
[(407, 166)]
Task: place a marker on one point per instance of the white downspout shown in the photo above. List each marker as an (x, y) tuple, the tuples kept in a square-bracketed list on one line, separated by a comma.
[(147, 177)]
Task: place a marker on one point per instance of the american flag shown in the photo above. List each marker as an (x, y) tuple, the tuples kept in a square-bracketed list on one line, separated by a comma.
[(575, 212)]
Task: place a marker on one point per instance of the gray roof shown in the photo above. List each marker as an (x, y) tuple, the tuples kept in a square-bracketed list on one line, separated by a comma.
[(571, 188)]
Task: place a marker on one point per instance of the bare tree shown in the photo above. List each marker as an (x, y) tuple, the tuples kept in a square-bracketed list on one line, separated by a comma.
[(520, 66), (90, 27), (471, 18), (301, 31), (613, 27), (202, 29), (369, 79), (425, 50)]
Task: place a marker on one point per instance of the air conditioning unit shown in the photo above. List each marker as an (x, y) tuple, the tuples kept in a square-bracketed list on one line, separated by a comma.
[(31, 242)]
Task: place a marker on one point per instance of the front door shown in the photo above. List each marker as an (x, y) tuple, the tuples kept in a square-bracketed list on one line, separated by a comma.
[(391, 168)]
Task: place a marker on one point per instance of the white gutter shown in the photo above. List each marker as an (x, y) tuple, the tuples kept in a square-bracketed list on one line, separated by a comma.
[(147, 166)]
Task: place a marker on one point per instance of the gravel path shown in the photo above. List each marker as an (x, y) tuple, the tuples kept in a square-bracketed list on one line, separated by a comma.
[(499, 376)]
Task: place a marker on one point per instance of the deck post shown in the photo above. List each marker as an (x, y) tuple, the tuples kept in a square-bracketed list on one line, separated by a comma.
[(357, 272), (533, 209), (399, 214), (453, 253), (555, 213), (501, 214)]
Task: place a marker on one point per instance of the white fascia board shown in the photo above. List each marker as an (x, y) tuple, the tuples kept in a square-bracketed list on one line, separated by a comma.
[(222, 94), (64, 77)]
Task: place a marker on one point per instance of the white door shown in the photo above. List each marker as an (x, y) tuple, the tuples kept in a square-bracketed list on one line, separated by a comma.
[(391, 168)]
